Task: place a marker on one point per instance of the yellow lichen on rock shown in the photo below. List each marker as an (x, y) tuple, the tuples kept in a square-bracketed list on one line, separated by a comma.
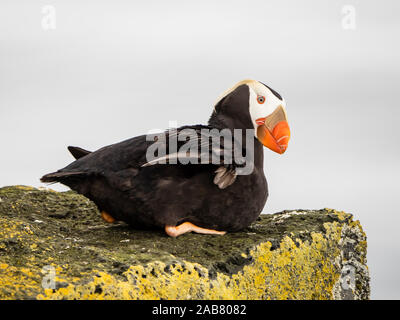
[(296, 270)]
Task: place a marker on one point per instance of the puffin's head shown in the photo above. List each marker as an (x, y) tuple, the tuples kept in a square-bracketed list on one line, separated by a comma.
[(251, 104)]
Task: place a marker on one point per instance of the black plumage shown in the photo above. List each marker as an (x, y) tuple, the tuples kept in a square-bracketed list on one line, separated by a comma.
[(120, 180)]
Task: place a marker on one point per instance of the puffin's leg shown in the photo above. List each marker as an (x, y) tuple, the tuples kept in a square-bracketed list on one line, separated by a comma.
[(174, 231), (107, 217)]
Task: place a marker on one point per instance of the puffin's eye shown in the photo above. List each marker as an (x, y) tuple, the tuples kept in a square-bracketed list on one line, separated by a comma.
[(260, 99)]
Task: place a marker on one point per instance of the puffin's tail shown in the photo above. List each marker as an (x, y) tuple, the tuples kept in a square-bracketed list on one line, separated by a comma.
[(62, 176), (78, 152)]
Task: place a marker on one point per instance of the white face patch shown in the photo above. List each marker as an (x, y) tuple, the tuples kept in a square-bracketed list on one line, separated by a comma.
[(257, 110), (262, 110)]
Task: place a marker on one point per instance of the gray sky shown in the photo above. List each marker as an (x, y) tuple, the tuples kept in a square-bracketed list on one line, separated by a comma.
[(111, 70)]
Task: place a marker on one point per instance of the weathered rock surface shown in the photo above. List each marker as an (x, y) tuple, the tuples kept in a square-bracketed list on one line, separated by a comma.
[(55, 246)]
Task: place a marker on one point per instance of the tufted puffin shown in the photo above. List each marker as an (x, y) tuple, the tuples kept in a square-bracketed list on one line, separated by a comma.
[(184, 191)]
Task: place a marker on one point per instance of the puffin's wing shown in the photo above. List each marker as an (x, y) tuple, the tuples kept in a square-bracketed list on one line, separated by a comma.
[(201, 147)]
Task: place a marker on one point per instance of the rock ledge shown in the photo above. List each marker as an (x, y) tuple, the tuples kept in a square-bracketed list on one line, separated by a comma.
[(55, 246)]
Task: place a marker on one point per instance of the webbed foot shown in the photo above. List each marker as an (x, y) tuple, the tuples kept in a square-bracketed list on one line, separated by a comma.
[(174, 231), (107, 217)]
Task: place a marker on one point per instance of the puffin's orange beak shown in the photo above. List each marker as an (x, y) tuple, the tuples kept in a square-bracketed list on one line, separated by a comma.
[(273, 131)]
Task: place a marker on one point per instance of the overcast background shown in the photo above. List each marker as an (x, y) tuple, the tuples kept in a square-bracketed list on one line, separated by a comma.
[(111, 70)]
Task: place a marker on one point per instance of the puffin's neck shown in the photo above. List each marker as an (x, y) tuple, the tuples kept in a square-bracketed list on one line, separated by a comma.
[(220, 121)]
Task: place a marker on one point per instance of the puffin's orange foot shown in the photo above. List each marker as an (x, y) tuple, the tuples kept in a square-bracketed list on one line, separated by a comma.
[(173, 231), (107, 218)]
